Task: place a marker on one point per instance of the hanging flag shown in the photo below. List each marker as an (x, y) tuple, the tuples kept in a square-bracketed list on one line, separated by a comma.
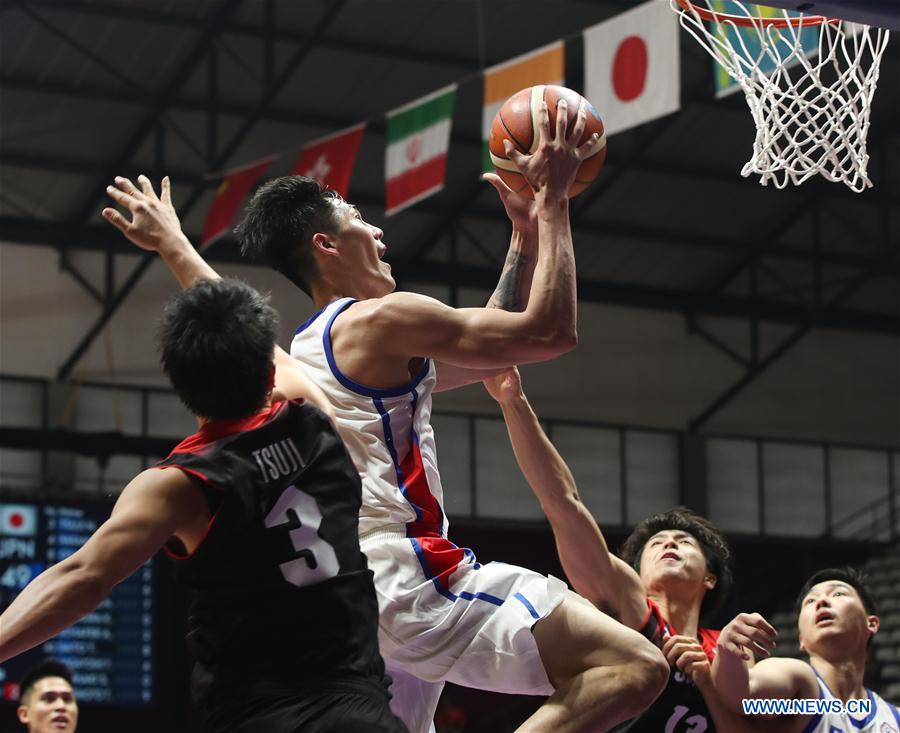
[(631, 66), (231, 194), (418, 137), (18, 520), (330, 159), (748, 40), (545, 65)]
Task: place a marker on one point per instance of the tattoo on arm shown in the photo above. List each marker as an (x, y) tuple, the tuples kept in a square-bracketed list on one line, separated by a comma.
[(507, 295)]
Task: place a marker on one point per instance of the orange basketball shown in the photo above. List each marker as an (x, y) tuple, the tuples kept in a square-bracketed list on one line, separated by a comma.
[(517, 121)]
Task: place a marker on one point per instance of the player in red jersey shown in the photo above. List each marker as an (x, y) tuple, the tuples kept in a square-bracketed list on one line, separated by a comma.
[(675, 567), (261, 517)]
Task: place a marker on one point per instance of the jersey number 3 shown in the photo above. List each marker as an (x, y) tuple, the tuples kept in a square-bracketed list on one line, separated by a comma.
[(315, 560)]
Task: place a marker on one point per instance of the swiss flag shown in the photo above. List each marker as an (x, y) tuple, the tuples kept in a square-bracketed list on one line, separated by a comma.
[(18, 520), (632, 68), (231, 194), (330, 159)]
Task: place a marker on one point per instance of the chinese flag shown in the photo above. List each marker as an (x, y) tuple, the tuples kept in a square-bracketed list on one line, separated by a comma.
[(232, 191), (330, 159)]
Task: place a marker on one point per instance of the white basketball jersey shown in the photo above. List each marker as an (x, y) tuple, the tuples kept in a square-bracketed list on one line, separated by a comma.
[(882, 718), (387, 433)]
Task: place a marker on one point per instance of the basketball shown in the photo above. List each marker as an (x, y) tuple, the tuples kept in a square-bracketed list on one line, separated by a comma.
[(517, 121)]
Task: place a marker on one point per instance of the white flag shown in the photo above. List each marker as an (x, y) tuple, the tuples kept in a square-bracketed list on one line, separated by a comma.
[(632, 69), (19, 520)]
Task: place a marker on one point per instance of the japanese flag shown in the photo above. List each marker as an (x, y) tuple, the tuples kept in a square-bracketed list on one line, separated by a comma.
[(18, 520), (631, 66)]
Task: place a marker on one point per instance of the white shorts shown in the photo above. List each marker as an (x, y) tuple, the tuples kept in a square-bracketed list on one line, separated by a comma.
[(445, 617)]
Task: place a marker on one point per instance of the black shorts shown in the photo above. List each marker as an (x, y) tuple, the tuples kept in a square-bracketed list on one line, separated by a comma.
[(322, 711)]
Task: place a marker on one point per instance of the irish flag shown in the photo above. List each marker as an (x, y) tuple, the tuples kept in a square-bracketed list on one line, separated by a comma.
[(418, 137), (545, 65)]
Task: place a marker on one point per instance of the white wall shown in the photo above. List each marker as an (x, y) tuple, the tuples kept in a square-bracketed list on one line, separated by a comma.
[(634, 367)]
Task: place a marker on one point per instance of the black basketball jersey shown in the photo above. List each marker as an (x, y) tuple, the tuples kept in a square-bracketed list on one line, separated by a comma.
[(680, 708), (282, 590)]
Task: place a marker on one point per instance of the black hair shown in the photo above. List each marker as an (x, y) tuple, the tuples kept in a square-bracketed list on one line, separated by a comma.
[(216, 344), (46, 668), (715, 549), (279, 223), (851, 576)]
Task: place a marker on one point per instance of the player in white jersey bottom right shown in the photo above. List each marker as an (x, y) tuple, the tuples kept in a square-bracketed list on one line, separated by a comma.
[(837, 622)]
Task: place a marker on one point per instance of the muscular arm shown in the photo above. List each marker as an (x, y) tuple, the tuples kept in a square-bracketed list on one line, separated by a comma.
[(511, 293), (605, 580), (152, 508), (405, 326)]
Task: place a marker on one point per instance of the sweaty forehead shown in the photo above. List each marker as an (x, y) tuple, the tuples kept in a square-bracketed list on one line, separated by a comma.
[(342, 207), (54, 685), (827, 586), (674, 534)]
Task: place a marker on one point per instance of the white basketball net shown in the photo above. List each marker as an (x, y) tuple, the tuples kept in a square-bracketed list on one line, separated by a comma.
[(812, 109)]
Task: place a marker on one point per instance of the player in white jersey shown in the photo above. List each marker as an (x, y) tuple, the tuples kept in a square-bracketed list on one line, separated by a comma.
[(837, 620), (443, 616)]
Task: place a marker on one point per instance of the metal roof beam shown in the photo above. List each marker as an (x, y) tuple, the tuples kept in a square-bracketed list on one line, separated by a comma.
[(41, 232), (144, 13), (284, 75)]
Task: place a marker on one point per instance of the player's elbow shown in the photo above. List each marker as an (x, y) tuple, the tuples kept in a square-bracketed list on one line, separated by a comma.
[(558, 341), (565, 340)]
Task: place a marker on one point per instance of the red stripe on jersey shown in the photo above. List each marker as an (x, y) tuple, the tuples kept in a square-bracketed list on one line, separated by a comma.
[(657, 629), (441, 558), (430, 522)]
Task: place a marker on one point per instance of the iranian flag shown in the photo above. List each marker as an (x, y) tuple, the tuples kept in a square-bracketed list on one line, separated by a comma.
[(544, 65), (418, 137)]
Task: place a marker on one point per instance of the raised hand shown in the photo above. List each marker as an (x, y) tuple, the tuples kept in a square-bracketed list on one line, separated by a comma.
[(687, 654), (521, 210), (551, 169), (505, 386), (154, 222), (747, 634)]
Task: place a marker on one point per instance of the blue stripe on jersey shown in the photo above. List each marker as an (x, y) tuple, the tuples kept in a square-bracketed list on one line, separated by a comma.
[(389, 440), (896, 711), (525, 602), (465, 595), (303, 326), (356, 386), (873, 709), (814, 721)]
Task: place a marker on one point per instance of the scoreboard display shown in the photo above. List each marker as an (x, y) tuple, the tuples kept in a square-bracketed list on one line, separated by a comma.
[(110, 651)]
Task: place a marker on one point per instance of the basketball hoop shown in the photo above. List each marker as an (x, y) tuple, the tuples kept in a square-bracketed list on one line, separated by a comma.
[(810, 105)]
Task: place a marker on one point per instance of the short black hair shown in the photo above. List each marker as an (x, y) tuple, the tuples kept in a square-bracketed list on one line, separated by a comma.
[(217, 341), (715, 549), (46, 668), (851, 576), (280, 220)]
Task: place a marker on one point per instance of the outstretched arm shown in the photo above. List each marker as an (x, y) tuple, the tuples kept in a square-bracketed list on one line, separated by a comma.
[(605, 580), (155, 227), (514, 285), (149, 511)]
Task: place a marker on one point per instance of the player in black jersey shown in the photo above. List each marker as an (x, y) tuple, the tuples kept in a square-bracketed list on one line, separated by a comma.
[(262, 519), (676, 565)]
